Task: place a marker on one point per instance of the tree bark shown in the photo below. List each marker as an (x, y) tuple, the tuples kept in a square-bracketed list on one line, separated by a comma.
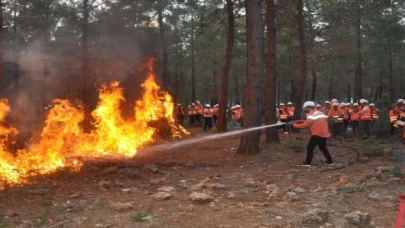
[(192, 61), (85, 68), (1, 42), (392, 89), (165, 59), (223, 92), (249, 142), (303, 60), (359, 72), (271, 77)]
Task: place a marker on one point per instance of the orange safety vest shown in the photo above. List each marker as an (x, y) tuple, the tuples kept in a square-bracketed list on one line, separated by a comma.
[(180, 110), (236, 114), (336, 114), (283, 114), (345, 113), (198, 109), (215, 111), (393, 116), (190, 110), (208, 112), (355, 115), (290, 111), (374, 113), (367, 114)]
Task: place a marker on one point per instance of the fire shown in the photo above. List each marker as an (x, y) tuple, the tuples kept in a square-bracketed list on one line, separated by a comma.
[(63, 140)]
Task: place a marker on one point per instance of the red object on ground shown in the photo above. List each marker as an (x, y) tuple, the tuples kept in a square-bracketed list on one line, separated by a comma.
[(401, 212), (299, 121)]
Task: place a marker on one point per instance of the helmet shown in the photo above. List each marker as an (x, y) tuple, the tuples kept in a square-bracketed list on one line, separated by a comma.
[(289, 103), (282, 104), (327, 102), (335, 104), (192, 104), (178, 104), (347, 104), (334, 100), (372, 105), (363, 101), (236, 106), (318, 106), (400, 101), (308, 104), (355, 104), (207, 105), (197, 102), (343, 104), (216, 105)]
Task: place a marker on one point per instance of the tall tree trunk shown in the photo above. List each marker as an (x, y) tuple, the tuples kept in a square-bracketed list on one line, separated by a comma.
[(311, 51), (349, 94), (223, 92), (271, 77), (392, 89), (278, 91), (15, 65), (303, 60), (165, 68), (249, 142), (192, 61), (359, 73), (237, 94), (176, 82), (1, 43), (85, 68), (314, 81)]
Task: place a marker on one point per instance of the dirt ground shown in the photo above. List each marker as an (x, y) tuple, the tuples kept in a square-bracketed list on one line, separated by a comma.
[(154, 189)]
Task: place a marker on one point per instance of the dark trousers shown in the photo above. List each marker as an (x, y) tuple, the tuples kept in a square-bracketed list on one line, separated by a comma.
[(393, 129), (207, 123), (283, 126), (321, 143), (336, 129), (180, 118), (345, 125), (289, 119), (355, 127), (191, 119), (199, 118), (366, 127), (214, 118)]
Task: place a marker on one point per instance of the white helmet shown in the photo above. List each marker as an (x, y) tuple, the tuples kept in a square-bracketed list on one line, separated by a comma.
[(355, 104), (207, 105), (282, 104), (318, 106), (192, 104), (178, 104), (80, 106), (289, 103), (335, 104), (308, 104), (343, 104), (372, 105), (217, 105), (327, 102), (362, 101), (347, 104), (197, 102), (334, 100), (236, 106), (401, 101)]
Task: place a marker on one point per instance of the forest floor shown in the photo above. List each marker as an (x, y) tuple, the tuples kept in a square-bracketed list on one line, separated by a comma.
[(209, 185)]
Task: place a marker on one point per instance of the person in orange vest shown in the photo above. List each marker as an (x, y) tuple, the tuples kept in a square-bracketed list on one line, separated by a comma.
[(374, 117), (345, 111), (336, 117), (198, 111), (191, 114), (326, 107), (180, 113), (365, 118), (393, 119), (283, 115), (215, 114), (318, 125), (355, 118), (208, 113), (236, 116), (290, 109), (318, 107), (241, 114)]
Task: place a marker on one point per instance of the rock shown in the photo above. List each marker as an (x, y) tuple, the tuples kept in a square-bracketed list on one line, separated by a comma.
[(10, 213), (75, 195), (216, 186), (299, 190), (272, 191), (167, 189), (240, 204), (291, 194), (250, 183), (197, 197), (129, 190), (202, 185), (104, 225), (190, 164), (328, 225), (315, 216), (358, 218), (343, 180), (374, 196), (385, 168), (345, 190), (152, 169), (157, 181), (212, 204), (160, 196), (109, 170), (295, 199), (121, 207), (278, 217), (391, 198), (230, 195)]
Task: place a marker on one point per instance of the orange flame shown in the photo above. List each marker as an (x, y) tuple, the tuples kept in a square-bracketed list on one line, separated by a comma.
[(63, 139)]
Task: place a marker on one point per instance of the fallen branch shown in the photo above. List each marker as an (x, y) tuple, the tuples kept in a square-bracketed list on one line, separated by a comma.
[(56, 225)]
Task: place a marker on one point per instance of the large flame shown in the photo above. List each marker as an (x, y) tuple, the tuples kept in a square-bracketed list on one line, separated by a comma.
[(63, 139)]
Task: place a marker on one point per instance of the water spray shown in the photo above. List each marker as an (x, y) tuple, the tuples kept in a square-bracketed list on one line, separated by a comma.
[(186, 142)]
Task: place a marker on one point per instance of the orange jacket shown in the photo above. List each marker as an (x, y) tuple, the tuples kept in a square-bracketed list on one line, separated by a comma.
[(290, 111), (338, 114), (355, 115), (393, 116), (283, 114), (374, 114), (317, 123), (215, 111), (208, 112), (345, 113), (366, 115)]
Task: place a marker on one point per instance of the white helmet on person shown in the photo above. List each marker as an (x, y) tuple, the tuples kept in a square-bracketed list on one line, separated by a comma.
[(343, 104), (308, 104), (401, 101), (282, 104), (236, 106), (335, 104), (355, 104), (207, 105), (178, 104), (318, 106), (334, 100), (372, 105), (327, 102), (217, 105), (289, 103)]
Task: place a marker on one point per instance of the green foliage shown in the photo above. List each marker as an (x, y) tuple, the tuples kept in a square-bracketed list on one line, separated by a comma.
[(371, 147), (396, 172), (5, 225)]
